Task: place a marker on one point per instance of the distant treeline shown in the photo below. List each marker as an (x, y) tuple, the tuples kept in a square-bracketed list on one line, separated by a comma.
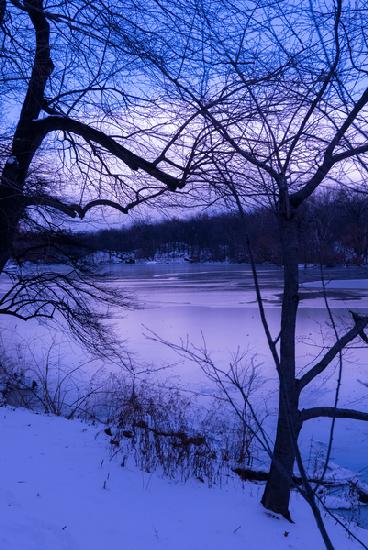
[(333, 229)]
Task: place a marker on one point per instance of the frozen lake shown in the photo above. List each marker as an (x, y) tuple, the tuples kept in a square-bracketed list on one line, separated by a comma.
[(217, 303)]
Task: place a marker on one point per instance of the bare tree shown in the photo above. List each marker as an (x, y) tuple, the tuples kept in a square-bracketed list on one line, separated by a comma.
[(80, 111), (282, 93), (83, 128)]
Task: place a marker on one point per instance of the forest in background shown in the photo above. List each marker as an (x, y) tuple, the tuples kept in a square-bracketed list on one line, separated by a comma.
[(333, 231)]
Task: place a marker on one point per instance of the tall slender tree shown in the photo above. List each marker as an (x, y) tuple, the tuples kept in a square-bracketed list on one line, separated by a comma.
[(282, 92)]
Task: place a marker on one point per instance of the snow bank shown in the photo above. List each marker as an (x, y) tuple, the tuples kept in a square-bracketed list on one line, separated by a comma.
[(60, 491)]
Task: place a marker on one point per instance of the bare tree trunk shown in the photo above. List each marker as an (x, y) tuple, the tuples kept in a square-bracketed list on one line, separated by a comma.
[(10, 214), (24, 142), (277, 493), (276, 496)]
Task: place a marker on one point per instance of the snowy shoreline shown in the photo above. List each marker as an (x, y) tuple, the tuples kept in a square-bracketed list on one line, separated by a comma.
[(61, 491)]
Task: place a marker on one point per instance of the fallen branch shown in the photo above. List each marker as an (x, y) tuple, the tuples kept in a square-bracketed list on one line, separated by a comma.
[(247, 474)]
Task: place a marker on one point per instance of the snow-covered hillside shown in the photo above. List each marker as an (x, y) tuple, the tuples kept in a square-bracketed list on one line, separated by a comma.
[(60, 491)]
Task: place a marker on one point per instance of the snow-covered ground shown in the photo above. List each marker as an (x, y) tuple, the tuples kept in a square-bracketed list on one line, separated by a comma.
[(60, 491)]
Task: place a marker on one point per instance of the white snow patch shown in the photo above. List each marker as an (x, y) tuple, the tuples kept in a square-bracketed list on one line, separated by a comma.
[(52, 497), (12, 161)]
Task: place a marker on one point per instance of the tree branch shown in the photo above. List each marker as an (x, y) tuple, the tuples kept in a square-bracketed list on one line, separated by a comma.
[(360, 323), (133, 161), (329, 159), (76, 210), (42, 65), (332, 412)]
